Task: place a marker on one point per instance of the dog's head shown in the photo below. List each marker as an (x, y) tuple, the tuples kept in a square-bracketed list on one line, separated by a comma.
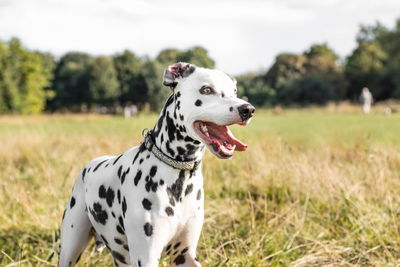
[(209, 103)]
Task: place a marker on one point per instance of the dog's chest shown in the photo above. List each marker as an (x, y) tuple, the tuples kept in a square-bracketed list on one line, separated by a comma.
[(142, 190)]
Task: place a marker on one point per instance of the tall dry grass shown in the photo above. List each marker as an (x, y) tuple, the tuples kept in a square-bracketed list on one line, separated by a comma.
[(316, 188)]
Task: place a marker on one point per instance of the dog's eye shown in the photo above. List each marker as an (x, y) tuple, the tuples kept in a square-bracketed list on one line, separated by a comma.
[(205, 90)]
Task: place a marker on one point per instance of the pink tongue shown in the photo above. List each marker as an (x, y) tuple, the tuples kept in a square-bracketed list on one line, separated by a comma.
[(228, 137), (239, 145)]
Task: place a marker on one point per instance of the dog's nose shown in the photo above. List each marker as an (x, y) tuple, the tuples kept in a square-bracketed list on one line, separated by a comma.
[(246, 111)]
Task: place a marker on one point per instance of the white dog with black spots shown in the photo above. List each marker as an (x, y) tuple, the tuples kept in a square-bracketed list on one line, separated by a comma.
[(148, 202)]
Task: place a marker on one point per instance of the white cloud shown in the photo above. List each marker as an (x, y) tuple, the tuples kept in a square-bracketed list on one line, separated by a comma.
[(241, 35)]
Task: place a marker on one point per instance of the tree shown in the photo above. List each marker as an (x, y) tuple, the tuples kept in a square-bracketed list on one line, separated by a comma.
[(157, 93), (287, 67), (132, 85), (323, 51), (198, 56), (364, 68), (103, 83), (71, 81), (310, 90), (322, 63), (169, 56), (24, 76), (253, 86)]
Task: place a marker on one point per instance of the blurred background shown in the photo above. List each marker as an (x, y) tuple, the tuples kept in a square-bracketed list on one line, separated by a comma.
[(320, 182), (104, 55)]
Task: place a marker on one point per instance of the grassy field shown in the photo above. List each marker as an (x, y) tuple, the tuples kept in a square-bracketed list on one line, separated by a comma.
[(316, 188)]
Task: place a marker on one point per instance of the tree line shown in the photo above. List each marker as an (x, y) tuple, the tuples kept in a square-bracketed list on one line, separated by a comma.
[(32, 81)]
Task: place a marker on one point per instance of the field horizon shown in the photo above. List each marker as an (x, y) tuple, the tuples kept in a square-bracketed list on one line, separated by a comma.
[(317, 187)]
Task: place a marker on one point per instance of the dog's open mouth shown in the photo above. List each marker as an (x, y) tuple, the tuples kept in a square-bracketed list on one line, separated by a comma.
[(219, 138)]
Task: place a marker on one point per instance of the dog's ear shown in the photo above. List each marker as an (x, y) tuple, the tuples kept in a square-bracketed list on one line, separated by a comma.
[(177, 71)]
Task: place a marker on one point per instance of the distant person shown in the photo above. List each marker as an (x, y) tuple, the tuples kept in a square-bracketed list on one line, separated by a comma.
[(366, 100), (129, 111)]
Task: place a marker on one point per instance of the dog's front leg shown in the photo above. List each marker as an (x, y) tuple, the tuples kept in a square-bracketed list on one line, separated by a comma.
[(189, 237), (146, 239)]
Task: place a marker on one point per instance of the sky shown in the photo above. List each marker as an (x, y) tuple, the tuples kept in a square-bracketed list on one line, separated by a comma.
[(240, 35)]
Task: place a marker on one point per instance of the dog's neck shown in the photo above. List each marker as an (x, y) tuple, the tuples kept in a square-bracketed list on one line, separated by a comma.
[(170, 134)]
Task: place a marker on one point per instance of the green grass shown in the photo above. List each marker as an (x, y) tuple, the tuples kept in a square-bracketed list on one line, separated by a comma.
[(315, 188)]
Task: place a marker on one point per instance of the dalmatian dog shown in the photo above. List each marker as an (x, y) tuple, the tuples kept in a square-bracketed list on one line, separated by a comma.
[(147, 203)]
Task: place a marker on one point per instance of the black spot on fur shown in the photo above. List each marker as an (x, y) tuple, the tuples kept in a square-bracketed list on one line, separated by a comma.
[(72, 202), (181, 150), (168, 247), (102, 192), (118, 241), (98, 214), (231, 109), (148, 156), (171, 128), (189, 189), (124, 175), (142, 148), (153, 171), (121, 222), (198, 103), (188, 139), (151, 185), (198, 194), (115, 161), (177, 245), (79, 257), (126, 247), (64, 214), (83, 174), (179, 136), (190, 148), (184, 250), (98, 165), (113, 214), (148, 229), (140, 161), (139, 263), (108, 194), (181, 117), (119, 196), (120, 230), (119, 171), (118, 256), (146, 204), (169, 150), (137, 177), (169, 211), (161, 182), (222, 94), (175, 190), (124, 207)]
